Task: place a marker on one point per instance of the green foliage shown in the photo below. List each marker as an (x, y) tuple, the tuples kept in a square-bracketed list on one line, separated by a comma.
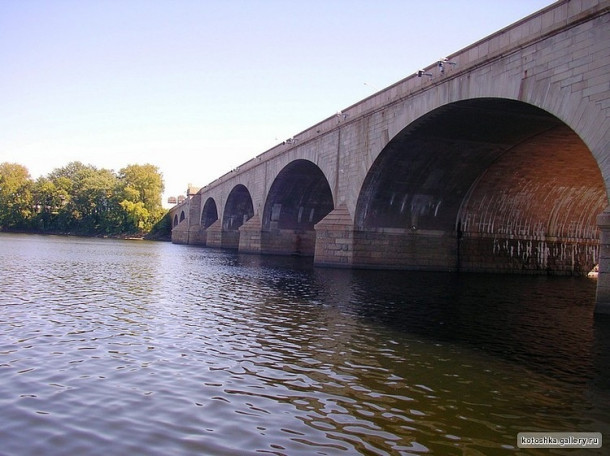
[(162, 230), (141, 188), (137, 214), (82, 199), (145, 181), (15, 196)]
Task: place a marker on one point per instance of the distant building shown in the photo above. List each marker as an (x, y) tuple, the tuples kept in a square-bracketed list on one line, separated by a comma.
[(192, 190)]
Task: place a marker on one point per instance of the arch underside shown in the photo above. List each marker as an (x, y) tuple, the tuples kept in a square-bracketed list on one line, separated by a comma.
[(238, 210), (209, 214), (299, 197), (485, 185)]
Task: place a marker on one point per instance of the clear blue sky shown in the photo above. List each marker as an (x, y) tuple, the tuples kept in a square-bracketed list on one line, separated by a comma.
[(197, 87)]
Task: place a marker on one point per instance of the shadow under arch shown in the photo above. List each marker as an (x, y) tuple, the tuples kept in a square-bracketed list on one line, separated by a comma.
[(238, 210), (209, 214), (299, 197), (484, 184)]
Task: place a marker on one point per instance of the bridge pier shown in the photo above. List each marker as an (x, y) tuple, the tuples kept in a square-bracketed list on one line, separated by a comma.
[(250, 236), (602, 301), (288, 242), (180, 233), (214, 235), (335, 239), (197, 235), (412, 248)]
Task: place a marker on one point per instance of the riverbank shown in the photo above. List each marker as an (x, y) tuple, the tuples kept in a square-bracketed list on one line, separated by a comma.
[(157, 236)]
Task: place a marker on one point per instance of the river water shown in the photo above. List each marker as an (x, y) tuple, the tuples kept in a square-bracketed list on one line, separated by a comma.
[(137, 348)]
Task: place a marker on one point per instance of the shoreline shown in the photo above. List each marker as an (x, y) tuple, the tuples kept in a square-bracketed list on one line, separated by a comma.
[(123, 236)]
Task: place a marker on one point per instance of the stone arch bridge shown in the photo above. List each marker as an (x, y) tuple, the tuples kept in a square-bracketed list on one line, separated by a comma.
[(496, 159)]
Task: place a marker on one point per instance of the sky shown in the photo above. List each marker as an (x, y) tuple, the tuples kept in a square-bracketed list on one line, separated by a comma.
[(198, 87)]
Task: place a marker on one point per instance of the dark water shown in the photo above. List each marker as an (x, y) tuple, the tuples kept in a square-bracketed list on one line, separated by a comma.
[(136, 348)]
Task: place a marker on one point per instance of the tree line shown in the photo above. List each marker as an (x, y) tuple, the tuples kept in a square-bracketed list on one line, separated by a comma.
[(81, 199)]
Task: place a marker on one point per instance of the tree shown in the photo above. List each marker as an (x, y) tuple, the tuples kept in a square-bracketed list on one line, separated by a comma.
[(49, 198), (70, 171), (141, 189), (15, 196), (137, 215), (55, 194), (82, 199), (93, 204)]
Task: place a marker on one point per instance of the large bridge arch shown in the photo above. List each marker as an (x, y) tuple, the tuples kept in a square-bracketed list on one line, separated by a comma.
[(482, 184), (299, 197), (238, 210), (209, 213)]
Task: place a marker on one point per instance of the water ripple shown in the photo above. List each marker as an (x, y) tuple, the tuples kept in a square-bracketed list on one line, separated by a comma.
[(111, 347)]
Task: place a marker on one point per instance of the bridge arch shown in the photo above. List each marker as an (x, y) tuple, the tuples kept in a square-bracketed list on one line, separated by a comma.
[(482, 184), (209, 214), (299, 197), (238, 210)]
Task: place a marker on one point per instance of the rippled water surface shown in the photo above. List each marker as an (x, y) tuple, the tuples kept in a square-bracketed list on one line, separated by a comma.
[(137, 348)]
